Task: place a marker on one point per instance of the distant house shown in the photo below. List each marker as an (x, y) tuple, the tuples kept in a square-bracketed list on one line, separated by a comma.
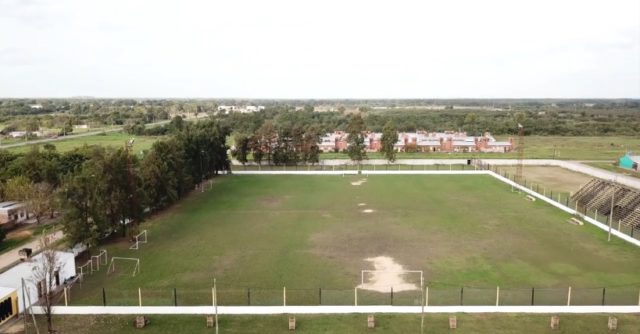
[(35, 106), (81, 126), (12, 212), (629, 161)]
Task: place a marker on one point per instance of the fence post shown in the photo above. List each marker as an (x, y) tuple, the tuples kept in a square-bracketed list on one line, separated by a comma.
[(569, 297), (462, 296), (498, 296), (65, 297), (392, 296), (355, 300), (533, 292), (213, 297), (604, 290), (595, 215), (319, 296), (175, 297), (104, 298), (619, 221), (284, 296), (139, 297), (249, 296), (426, 297)]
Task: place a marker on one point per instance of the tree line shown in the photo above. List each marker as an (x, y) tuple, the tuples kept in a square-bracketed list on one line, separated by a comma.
[(102, 190)]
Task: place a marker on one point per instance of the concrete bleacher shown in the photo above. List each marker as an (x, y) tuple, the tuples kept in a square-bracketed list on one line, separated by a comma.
[(596, 195)]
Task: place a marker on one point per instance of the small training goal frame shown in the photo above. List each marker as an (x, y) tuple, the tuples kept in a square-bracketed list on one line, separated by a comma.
[(140, 238), (99, 260), (365, 271), (112, 264), (85, 268)]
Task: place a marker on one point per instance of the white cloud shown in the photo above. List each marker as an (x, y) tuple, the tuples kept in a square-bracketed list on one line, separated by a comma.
[(321, 49)]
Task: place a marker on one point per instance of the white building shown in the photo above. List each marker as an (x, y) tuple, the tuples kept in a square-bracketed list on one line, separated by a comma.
[(12, 278), (12, 212)]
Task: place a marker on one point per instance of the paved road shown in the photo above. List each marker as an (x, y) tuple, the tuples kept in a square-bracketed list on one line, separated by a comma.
[(10, 257)]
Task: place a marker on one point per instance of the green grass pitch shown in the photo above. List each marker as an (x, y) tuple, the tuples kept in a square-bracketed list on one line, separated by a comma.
[(310, 232)]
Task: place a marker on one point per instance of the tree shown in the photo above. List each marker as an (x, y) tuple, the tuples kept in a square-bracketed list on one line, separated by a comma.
[(470, 121), (242, 146), (266, 138), (356, 148), (389, 139), (164, 175), (44, 275)]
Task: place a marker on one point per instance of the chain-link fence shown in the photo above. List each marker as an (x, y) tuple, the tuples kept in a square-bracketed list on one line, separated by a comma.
[(430, 296), (564, 198)]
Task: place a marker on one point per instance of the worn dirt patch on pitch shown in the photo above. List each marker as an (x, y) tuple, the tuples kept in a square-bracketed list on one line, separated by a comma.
[(367, 211), (271, 201), (388, 274), (359, 182)]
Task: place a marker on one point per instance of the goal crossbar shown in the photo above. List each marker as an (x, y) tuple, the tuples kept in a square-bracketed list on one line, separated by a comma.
[(112, 264)]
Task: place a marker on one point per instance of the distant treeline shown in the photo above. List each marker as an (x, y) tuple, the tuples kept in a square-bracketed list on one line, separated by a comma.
[(544, 121), (564, 117)]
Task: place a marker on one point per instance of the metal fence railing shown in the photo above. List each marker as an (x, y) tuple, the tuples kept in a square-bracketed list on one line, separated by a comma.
[(430, 296)]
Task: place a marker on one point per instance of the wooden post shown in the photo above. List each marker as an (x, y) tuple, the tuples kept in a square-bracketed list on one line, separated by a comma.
[(284, 296), (355, 297), (139, 297), (319, 296), (569, 297), (175, 297), (391, 295), (104, 297), (619, 221), (65, 297), (498, 296), (215, 302)]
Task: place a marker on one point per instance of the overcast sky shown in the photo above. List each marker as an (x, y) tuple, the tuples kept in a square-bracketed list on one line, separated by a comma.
[(320, 49)]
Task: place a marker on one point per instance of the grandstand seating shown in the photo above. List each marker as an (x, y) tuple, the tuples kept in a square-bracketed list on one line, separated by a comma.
[(596, 195)]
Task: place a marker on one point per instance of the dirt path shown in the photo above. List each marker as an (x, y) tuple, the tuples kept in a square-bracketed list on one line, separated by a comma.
[(8, 258)]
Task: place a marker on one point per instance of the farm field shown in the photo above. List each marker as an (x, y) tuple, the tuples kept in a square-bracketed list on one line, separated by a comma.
[(538, 147), (112, 139), (387, 323), (308, 232)]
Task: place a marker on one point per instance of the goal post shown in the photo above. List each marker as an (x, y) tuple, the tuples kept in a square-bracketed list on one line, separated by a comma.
[(112, 264), (98, 260), (140, 238), (365, 272)]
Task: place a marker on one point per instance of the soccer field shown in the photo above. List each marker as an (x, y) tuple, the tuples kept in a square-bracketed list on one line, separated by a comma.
[(308, 232)]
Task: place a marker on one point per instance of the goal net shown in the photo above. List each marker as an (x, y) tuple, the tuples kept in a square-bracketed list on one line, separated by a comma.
[(124, 265), (140, 238)]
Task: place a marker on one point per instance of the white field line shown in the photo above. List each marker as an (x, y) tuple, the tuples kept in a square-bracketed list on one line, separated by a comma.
[(238, 310)]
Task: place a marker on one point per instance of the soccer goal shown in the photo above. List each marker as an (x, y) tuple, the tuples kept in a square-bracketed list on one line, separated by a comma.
[(373, 278), (140, 238), (135, 261), (85, 269), (98, 260)]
